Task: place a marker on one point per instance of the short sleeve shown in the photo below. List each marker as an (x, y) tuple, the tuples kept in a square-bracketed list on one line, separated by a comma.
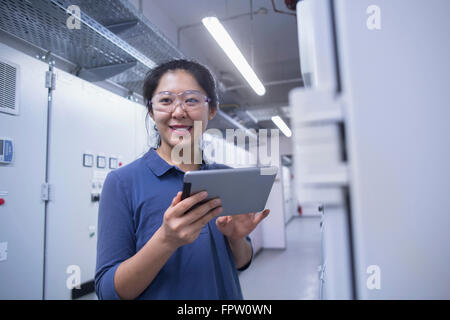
[(251, 258), (116, 240)]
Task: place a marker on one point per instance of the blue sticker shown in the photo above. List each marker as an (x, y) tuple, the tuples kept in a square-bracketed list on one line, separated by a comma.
[(7, 151)]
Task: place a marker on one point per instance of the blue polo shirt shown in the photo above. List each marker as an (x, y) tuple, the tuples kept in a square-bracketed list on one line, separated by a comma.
[(132, 204)]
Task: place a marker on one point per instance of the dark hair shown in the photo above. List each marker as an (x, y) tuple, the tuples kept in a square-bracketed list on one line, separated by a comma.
[(201, 74)]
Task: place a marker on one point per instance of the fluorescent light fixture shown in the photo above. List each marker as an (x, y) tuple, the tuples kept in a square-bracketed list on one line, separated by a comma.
[(227, 44), (282, 125)]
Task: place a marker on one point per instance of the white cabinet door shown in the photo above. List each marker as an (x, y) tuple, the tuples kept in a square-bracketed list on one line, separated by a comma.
[(395, 90), (22, 215), (84, 119)]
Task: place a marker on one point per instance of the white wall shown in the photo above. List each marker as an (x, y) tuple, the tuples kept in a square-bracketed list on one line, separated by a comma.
[(285, 145), (273, 227)]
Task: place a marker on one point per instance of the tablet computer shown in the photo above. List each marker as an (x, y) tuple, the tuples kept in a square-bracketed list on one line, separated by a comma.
[(242, 190)]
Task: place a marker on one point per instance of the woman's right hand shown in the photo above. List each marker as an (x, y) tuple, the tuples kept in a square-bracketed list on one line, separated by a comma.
[(178, 228)]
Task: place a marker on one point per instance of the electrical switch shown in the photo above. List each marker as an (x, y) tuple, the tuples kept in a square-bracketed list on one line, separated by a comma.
[(88, 160), (91, 231), (101, 162), (95, 197), (113, 163)]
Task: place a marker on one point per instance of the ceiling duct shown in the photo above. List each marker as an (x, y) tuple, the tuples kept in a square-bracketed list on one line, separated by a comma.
[(114, 41)]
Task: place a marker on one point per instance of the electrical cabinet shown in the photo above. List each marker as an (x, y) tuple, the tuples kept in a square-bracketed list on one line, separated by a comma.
[(22, 212), (83, 117), (66, 140), (371, 131), (394, 75)]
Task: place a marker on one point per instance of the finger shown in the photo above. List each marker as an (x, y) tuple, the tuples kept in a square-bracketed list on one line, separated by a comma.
[(184, 205), (222, 220), (174, 202), (200, 211), (176, 199), (261, 216), (200, 223)]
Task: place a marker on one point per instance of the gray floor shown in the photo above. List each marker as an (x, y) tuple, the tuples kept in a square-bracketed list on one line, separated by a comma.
[(289, 274)]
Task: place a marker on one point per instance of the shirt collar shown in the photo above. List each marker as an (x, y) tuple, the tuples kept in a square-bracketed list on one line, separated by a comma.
[(159, 166)]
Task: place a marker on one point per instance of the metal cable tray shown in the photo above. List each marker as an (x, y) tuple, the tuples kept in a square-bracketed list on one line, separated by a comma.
[(115, 41)]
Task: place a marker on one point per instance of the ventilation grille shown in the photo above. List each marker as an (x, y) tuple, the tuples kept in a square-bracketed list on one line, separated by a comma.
[(8, 87)]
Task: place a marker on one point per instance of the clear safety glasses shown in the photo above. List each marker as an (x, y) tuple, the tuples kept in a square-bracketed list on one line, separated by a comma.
[(167, 101)]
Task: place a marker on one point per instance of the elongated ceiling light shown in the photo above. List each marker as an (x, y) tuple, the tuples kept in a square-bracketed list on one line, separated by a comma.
[(227, 44), (282, 125)]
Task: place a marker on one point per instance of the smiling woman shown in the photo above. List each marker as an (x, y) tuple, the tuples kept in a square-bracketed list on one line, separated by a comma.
[(178, 78), (148, 248)]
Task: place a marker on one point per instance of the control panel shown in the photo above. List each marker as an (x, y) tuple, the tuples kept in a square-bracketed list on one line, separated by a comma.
[(6, 151), (105, 164)]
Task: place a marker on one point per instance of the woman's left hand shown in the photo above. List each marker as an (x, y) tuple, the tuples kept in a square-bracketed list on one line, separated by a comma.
[(241, 225)]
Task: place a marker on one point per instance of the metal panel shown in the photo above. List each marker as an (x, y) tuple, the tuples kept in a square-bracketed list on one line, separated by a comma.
[(395, 86), (316, 44), (144, 36), (337, 278), (22, 214), (85, 119), (43, 23)]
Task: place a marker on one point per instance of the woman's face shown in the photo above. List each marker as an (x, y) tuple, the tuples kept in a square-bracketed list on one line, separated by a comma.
[(172, 126)]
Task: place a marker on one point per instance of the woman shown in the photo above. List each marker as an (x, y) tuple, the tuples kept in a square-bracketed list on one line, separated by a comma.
[(148, 248)]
